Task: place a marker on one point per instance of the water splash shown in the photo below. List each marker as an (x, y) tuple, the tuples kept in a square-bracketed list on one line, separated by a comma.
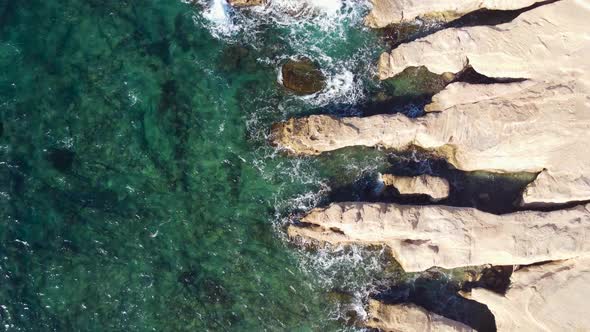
[(218, 15)]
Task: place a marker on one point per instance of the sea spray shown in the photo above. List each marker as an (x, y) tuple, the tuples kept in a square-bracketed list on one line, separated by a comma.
[(218, 15)]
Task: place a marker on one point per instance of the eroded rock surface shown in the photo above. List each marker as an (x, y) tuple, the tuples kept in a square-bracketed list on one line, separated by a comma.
[(549, 42), (548, 297), (421, 237), (409, 318), (540, 125), (386, 12), (435, 187)]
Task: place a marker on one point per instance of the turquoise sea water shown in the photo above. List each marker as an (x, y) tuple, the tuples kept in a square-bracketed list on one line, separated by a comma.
[(137, 188)]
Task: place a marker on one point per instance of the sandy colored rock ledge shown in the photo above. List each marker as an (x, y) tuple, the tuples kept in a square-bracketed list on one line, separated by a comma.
[(246, 3), (548, 297), (547, 43), (541, 125), (409, 318), (386, 12), (527, 127), (421, 237), (435, 187)]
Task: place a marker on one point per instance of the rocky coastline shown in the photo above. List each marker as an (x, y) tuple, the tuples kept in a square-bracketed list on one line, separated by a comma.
[(530, 113)]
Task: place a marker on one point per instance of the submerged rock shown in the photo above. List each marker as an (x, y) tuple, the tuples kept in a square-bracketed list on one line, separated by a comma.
[(421, 237), (303, 77), (547, 297), (416, 82), (434, 187), (494, 278), (61, 159), (386, 12), (409, 318), (246, 3)]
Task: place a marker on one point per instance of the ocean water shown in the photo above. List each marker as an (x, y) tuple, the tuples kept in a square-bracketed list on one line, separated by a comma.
[(138, 191)]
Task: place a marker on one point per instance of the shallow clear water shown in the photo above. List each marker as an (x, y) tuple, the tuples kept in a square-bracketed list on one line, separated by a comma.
[(137, 188)]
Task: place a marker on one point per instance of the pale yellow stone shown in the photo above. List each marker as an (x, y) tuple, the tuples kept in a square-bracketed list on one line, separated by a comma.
[(386, 12), (548, 297), (550, 42), (435, 187), (246, 3), (409, 318), (421, 237), (541, 125)]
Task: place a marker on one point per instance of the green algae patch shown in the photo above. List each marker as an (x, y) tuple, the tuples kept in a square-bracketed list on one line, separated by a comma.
[(416, 83)]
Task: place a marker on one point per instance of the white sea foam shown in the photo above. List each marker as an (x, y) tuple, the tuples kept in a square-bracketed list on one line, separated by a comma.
[(218, 15), (316, 29), (311, 28)]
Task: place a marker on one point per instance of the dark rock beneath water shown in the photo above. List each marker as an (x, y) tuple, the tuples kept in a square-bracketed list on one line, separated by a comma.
[(237, 58), (345, 302), (61, 159), (494, 278), (303, 77), (416, 82), (407, 92), (397, 34)]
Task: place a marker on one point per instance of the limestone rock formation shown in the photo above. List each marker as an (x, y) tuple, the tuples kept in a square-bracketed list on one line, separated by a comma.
[(421, 237), (246, 3), (435, 187), (546, 43), (548, 297), (409, 318), (302, 76), (540, 125), (386, 12)]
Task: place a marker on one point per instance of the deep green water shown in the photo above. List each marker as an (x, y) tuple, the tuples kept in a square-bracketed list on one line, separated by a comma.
[(137, 188)]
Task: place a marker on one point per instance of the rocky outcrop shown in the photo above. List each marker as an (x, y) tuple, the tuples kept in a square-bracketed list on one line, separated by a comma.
[(435, 187), (409, 318), (540, 128), (540, 125), (548, 297), (246, 3), (386, 12), (421, 237), (547, 43), (302, 77)]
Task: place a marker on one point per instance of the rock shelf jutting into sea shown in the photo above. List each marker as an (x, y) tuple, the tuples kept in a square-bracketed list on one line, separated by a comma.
[(294, 165)]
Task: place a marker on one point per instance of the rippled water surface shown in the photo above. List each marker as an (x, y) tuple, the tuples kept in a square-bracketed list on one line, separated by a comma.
[(137, 188)]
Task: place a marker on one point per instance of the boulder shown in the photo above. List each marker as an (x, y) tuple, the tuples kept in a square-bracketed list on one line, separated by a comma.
[(435, 187), (547, 297), (409, 318), (386, 12), (302, 77), (421, 237)]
